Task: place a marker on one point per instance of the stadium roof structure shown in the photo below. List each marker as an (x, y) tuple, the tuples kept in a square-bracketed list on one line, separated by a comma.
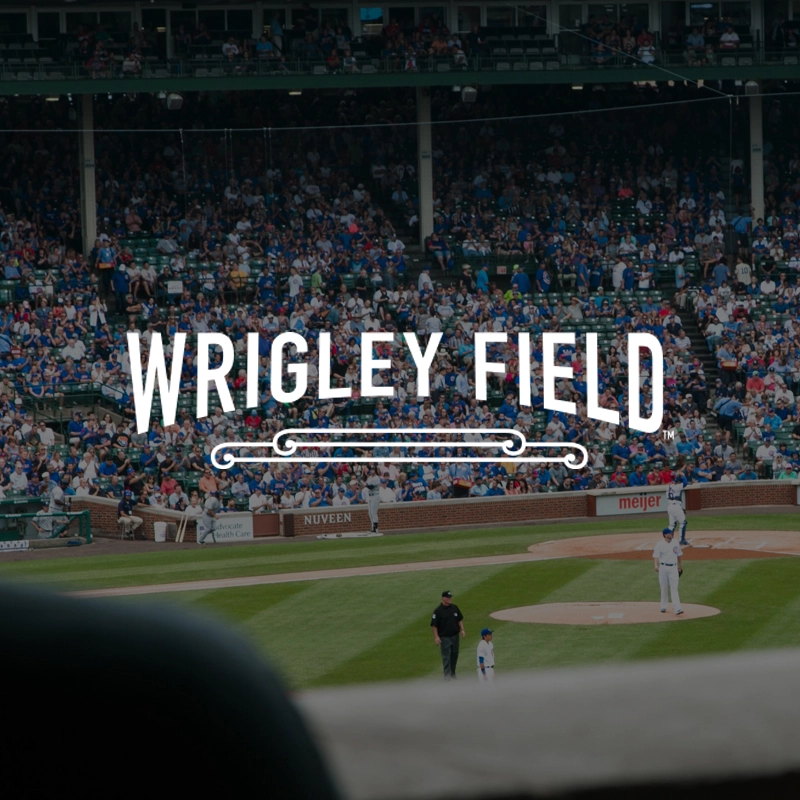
[(567, 62), (546, 47)]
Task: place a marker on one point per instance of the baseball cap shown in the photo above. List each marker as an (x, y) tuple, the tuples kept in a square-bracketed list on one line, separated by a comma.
[(486, 632), (666, 531), (447, 594)]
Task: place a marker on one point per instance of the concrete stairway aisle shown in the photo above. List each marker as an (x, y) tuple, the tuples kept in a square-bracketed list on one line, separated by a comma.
[(709, 361), (728, 205)]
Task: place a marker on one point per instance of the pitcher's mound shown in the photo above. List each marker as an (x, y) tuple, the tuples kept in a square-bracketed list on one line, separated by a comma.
[(600, 613)]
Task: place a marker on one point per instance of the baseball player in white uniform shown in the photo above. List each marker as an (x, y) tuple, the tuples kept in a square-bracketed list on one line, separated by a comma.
[(43, 523), (677, 516), (486, 657), (373, 499), (205, 524), (667, 563), (57, 505)]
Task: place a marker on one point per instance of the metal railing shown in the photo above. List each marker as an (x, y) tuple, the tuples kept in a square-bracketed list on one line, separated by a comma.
[(205, 68), (59, 408)]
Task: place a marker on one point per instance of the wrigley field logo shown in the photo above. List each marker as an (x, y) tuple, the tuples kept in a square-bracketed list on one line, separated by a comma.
[(287, 366)]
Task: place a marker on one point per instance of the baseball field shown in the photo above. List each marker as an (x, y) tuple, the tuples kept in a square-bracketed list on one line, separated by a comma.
[(357, 610)]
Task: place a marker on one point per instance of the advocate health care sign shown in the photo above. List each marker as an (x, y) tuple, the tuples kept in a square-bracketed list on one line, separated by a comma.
[(236, 527)]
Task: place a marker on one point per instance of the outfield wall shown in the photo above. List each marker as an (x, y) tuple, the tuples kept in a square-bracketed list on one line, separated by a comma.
[(104, 519), (528, 508), (471, 511), (744, 493), (435, 513)]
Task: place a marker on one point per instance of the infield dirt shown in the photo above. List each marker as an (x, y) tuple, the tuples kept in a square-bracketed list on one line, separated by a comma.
[(704, 545)]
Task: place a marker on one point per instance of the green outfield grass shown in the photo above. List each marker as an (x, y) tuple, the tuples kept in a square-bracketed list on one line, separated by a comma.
[(376, 628), (99, 572)]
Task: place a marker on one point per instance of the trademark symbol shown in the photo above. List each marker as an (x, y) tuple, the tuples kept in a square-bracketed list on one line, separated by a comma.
[(668, 435)]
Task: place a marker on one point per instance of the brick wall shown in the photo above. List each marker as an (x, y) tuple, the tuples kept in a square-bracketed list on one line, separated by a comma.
[(397, 516), (747, 493), (103, 513), (517, 510)]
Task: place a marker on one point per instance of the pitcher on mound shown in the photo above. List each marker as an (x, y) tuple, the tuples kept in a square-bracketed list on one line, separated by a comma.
[(667, 563)]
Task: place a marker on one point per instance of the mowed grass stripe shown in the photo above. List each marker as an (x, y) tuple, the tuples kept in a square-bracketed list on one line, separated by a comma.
[(784, 625), (530, 645), (614, 581), (333, 625), (760, 594), (96, 572), (376, 628), (603, 583), (410, 651), (241, 605), (526, 646)]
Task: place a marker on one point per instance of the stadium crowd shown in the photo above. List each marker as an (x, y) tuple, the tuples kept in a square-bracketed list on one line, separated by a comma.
[(628, 192), (267, 233)]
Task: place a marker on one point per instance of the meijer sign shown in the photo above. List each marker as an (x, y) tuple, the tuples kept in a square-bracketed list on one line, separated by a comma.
[(644, 503)]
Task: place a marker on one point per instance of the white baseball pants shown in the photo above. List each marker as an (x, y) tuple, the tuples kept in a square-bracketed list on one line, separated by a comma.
[(677, 516), (203, 532), (668, 581), (373, 501)]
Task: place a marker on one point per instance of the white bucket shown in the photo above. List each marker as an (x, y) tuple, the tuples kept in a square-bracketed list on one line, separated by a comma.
[(160, 530)]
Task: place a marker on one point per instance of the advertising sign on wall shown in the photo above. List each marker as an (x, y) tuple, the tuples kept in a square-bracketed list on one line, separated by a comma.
[(609, 505), (234, 527)]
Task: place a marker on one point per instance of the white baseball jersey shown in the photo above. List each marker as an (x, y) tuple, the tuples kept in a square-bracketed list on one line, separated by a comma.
[(45, 522), (485, 652), (667, 553), (56, 500), (675, 492), (211, 504), (374, 485)]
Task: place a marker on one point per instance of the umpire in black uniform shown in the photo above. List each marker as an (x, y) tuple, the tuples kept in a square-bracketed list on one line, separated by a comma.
[(448, 624)]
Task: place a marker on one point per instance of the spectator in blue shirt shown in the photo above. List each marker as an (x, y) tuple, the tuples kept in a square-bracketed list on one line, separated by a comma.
[(721, 273), (543, 280), (748, 474), (638, 477), (482, 279), (520, 281)]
